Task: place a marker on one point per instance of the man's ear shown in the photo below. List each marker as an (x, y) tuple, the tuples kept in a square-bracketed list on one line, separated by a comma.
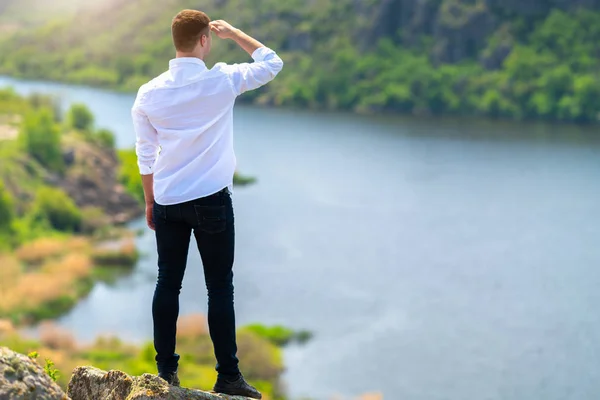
[(204, 40)]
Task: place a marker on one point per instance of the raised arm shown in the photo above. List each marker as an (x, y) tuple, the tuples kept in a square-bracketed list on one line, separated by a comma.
[(248, 76)]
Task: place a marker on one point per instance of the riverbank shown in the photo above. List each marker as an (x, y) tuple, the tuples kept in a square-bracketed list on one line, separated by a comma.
[(45, 278), (61, 208)]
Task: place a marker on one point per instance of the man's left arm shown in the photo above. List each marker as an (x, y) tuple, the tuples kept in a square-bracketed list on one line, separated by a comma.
[(146, 148)]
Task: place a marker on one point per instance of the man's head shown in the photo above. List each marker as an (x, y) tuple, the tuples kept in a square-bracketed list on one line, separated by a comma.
[(191, 34)]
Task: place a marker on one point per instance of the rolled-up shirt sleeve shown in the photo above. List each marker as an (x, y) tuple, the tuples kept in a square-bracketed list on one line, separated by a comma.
[(146, 145), (250, 76)]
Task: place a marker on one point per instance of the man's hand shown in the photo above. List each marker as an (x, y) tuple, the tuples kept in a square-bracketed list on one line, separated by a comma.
[(223, 29), (149, 219)]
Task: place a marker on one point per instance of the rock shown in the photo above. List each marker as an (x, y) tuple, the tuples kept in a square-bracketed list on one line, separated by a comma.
[(410, 18), (24, 379), (462, 30), (500, 46), (88, 383), (92, 181)]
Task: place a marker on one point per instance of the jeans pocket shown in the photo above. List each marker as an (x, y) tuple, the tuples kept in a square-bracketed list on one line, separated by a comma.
[(211, 219)]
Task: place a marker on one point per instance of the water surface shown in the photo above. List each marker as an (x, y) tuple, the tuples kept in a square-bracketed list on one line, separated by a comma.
[(433, 259)]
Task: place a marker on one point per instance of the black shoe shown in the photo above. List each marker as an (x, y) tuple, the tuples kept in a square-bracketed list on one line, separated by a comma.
[(237, 387), (171, 378)]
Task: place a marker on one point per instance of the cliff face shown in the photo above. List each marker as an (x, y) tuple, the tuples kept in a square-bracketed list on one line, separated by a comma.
[(460, 29)]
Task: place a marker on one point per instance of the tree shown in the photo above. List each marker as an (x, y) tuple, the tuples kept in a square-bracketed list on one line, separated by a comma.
[(80, 117), (40, 136)]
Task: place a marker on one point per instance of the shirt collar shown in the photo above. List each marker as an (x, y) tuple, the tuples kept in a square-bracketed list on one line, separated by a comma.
[(186, 60)]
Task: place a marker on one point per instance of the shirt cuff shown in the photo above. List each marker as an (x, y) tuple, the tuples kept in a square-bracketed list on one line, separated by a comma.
[(145, 170), (261, 53)]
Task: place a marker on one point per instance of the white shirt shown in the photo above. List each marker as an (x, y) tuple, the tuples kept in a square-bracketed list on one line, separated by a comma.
[(187, 113)]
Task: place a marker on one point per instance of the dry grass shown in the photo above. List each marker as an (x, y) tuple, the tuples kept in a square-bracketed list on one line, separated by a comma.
[(56, 277), (78, 244), (116, 253), (192, 326), (38, 251), (10, 271), (6, 327), (72, 266), (56, 338)]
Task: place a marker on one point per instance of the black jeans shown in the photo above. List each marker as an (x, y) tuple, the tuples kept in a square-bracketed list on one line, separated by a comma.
[(211, 220)]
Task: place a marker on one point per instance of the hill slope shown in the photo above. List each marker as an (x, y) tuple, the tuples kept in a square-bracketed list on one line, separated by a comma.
[(509, 58)]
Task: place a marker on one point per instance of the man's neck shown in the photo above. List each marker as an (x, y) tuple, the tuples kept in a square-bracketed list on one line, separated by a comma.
[(180, 54)]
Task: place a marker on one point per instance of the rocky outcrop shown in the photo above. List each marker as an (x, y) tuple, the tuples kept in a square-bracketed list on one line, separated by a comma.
[(23, 379), (89, 383), (499, 47), (91, 181)]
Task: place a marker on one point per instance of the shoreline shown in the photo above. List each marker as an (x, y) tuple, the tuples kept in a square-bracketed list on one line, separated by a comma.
[(386, 113)]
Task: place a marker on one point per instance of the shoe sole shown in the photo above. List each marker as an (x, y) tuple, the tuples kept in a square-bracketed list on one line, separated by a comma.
[(236, 394)]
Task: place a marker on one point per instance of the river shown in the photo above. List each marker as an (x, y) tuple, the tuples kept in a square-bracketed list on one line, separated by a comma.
[(432, 258)]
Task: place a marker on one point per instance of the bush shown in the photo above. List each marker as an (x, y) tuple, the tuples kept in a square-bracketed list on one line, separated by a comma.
[(40, 136), (58, 209), (93, 219), (105, 138), (242, 180), (80, 117), (6, 209), (40, 250), (38, 101), (129, 174), (279, 335), (124, 254)]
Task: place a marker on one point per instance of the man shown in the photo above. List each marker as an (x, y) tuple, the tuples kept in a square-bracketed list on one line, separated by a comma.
[(187, 113)]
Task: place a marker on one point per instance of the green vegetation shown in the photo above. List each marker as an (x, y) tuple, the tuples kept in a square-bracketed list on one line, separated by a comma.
[(349, 55), (80, 117), (33, 148), (58, 209), (280, 335), (45, 269), (129, 174), (40, 136), (50, 370), (262, 360)]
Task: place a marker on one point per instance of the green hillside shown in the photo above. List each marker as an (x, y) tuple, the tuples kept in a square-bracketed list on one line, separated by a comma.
[(515, 59)]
